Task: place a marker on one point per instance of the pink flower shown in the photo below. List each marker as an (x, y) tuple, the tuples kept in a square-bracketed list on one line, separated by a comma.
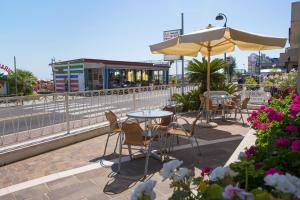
[(295, 146), (272, 171), (273, 115), (193, 172), (205, 170), (295, 106), (253, 115), (270, 99), (263, 126), (256, 123), (259, 164), (249, 152), (234, 191), (282, 142), (291, 128), (263, 107)]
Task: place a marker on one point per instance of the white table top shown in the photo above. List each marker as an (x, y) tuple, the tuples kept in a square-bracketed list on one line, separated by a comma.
[(149, 114)]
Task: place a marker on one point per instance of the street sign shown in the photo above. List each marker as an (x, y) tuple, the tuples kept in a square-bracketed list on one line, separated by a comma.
[(170, 35)]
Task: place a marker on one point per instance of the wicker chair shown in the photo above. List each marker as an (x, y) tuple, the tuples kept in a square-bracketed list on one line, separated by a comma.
[(115, 128), (238, 106), (184, 130), (134, 136)]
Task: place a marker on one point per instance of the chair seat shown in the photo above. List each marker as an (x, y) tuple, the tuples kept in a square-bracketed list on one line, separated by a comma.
[(145, 142), (116, 130), (179, 132)]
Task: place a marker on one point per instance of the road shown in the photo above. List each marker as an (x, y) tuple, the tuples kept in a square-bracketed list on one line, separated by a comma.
[(46, 111)]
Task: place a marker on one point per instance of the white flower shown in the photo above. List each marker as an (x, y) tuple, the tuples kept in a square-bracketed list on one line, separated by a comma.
[(168, 168), (231, 191), (284, 183), (181, 173), (144, 189), (219, 172)]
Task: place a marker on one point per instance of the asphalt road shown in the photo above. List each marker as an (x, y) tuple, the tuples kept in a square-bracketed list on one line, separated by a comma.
[(47, 112)]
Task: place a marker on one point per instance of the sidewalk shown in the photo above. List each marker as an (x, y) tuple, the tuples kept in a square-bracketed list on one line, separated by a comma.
[(75, 171)]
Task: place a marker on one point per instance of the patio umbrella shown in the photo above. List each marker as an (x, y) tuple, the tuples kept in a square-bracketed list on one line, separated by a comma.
[(216, 40)]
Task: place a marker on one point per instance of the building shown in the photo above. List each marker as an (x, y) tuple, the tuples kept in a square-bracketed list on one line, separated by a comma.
[(258, 64), (291, 55), (95, 74)]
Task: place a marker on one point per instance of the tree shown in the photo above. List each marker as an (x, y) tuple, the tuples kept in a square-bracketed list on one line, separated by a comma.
[(25, 81), (197, 72)]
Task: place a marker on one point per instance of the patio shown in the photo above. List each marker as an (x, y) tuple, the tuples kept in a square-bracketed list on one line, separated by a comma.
[(75, 171)]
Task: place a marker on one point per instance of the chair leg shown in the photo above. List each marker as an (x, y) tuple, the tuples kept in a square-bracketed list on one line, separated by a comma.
[(242, 117), (120, 155), (108, 136), (191, 141), (235, 113), (130, 152), (198, 147), (147, 160), (117, 143)]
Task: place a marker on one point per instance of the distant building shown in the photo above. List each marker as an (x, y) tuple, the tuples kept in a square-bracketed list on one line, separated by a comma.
[(258, 64), (291, 55), (94, 74)]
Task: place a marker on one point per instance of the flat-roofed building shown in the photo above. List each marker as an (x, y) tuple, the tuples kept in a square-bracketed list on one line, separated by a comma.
[(291, 55), (95, 74)]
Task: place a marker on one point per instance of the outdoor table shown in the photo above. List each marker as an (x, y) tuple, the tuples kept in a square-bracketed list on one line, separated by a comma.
[(221, 99), (149, 115)]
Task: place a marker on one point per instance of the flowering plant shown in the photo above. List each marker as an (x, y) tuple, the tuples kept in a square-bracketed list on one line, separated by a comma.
[(268, 170)]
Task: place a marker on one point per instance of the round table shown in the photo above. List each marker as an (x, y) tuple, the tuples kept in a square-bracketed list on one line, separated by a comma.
[(149, 114)]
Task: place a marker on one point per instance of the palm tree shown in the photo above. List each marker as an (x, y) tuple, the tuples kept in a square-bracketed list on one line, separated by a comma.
[(25, 80), (197, 72)]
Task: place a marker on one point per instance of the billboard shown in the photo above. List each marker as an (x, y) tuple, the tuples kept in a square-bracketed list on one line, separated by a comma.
[(170, 35)]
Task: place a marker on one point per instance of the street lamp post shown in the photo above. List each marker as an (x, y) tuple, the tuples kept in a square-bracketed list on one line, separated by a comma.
[(221, 16)]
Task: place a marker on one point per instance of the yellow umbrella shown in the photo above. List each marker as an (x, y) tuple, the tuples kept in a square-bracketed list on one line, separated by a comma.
[(216, 40)]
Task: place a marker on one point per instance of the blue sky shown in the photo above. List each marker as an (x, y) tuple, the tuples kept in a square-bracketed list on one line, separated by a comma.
[(34, 31)]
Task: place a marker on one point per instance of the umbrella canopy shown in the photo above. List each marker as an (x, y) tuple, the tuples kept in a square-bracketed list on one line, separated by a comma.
[(216, 40)]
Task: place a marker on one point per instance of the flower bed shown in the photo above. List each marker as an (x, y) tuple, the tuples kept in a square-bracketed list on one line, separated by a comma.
[(269, 170)]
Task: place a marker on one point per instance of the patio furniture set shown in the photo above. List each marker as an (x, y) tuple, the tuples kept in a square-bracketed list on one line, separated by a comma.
[(164, 126)]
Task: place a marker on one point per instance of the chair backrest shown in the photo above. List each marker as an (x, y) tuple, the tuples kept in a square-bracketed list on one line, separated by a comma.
[(202, 101), (133, 132), (194, 124), (245, 103), (210, 103), (113, 120), (165, 121)]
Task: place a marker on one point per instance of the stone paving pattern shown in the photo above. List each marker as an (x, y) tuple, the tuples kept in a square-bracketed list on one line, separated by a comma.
[(104, 183)]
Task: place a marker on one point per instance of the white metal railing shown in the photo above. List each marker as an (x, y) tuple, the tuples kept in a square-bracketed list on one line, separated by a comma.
[(258, 93), (29, 117)]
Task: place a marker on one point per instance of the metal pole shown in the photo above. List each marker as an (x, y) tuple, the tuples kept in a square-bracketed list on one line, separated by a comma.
[(182, 57), (69, 77), (298, 77), (16, 80), (176, 72)]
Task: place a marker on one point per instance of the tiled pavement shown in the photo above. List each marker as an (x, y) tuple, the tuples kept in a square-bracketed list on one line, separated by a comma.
[(102, 182)]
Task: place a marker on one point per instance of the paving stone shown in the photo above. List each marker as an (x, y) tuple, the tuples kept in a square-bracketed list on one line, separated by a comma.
[(35, 193), (63, 182), (75, 191), (8, 197)]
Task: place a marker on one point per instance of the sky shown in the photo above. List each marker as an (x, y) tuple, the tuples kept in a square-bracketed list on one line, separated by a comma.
[(35, 31)]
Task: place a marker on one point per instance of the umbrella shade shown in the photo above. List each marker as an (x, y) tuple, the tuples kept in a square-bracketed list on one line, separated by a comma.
[(214, 41), (217, 40)]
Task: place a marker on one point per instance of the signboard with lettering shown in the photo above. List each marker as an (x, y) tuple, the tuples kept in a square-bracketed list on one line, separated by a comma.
[(170, 35)]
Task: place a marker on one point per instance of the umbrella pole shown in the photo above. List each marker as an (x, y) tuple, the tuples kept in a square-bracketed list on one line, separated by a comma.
[(208, 82)]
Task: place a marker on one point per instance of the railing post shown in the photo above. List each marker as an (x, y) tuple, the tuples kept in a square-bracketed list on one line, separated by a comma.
[(67, 111), (134, 100)]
